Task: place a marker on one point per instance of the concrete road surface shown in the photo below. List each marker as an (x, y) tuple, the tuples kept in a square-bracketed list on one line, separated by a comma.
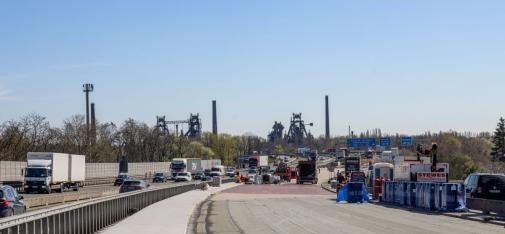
[(306, 209)]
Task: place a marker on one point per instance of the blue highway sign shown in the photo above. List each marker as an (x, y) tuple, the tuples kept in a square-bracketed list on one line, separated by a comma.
[(406, 141), (361, 142), (385, 141)]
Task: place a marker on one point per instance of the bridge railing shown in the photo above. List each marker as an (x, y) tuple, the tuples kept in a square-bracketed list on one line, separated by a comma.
[(89, 216)]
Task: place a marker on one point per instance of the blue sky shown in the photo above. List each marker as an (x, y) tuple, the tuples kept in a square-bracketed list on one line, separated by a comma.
[(403, 66)]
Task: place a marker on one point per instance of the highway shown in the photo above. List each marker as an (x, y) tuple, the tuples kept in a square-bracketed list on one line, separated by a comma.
[(307, 209), (41, 201)]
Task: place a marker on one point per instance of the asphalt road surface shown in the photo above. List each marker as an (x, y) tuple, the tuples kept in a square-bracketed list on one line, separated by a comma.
[(307, 209)]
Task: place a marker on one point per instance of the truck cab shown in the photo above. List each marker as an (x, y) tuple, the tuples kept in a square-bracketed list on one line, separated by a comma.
[(178, 166), (38, 178), (46, 170)]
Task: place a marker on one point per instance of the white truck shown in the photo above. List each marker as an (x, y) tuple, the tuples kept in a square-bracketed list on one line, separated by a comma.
[(257, 161), (179, 165), (54, 171)]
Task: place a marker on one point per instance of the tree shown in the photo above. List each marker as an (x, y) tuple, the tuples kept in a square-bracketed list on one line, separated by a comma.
[(498, 151)]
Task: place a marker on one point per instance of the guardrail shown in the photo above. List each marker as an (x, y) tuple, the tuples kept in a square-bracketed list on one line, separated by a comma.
[(486, 206), (92, 215)]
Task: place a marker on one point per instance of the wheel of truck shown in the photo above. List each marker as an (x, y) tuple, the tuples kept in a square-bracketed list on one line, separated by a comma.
[(76, 188), (48, 191)]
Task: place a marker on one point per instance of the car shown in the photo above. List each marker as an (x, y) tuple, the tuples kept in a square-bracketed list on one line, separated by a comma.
[(160, 177), (208, 179), (120, 178), (250, 179), (183, 176), (230, 172), (252, 171), (10, 202), (199, 175), (131, 185), (486, 186)]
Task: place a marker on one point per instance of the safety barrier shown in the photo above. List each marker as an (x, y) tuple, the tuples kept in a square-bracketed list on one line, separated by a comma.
[(92, 215), (424, 195)]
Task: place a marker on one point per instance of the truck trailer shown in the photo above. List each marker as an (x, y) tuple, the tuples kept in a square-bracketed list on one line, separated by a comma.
[(257, 161), (307, 172), (179, 165), (54, 171)]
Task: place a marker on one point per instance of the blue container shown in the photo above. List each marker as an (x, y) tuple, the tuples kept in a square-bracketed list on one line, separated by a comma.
[(450, 196), (411, 194), (438, 196), (425, 196), (400, 193), (355, 192)]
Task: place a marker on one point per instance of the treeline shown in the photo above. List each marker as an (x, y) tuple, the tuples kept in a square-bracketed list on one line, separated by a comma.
[(108, 142), (466, 152)]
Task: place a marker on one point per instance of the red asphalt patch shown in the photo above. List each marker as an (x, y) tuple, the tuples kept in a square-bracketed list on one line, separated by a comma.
[(295, 189)]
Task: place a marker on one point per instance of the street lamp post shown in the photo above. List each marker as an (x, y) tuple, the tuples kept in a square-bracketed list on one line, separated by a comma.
[(87, 88)]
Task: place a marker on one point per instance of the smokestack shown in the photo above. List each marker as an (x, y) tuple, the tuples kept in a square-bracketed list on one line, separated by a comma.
[(214, 118), (327, 119), (93, 123)]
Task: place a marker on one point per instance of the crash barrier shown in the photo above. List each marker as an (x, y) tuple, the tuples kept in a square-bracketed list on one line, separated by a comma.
[(89, 216), (353, 192), (425, 195), (486, 206)]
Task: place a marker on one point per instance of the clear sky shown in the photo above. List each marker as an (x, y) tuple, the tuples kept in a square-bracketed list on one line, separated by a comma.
[(403, 66)]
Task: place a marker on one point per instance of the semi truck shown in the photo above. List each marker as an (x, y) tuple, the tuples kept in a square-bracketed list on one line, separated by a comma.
[(352, 164), (307, 172), (46, 172), (179, 165), (257, 161)]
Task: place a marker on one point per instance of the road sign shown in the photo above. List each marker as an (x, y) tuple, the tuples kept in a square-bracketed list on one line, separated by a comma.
[(385, 141), (406, 141), (360, 142)]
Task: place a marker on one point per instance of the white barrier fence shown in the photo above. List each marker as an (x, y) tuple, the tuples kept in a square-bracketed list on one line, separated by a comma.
[(13, 170)]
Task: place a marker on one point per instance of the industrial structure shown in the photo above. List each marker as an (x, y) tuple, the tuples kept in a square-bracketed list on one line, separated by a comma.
[(327, 111), (214, 117), (276, 133), (297, 132), (194, 125)]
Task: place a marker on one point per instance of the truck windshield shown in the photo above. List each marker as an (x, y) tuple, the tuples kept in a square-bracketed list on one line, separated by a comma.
[(178, 165), (215, 169), (36, 172)]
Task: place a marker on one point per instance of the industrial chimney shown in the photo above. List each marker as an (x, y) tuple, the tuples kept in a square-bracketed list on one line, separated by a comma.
[(327, 118), (93, 123), (214, 118)]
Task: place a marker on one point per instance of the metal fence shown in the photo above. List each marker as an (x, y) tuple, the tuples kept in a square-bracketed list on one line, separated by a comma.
[(92, 215), (89, 216)]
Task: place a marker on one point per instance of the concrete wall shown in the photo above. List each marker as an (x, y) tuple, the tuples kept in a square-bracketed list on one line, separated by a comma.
[(12, 170)]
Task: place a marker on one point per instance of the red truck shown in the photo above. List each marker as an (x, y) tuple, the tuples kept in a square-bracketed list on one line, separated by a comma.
[(285, 172)]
